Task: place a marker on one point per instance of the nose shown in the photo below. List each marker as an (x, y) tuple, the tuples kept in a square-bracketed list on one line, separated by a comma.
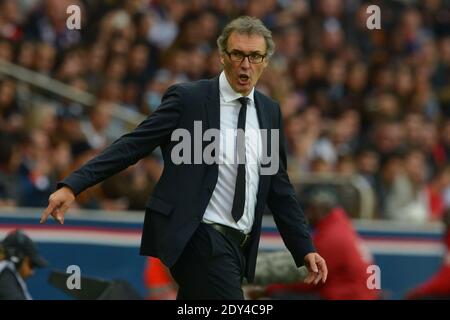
[(245, 63)]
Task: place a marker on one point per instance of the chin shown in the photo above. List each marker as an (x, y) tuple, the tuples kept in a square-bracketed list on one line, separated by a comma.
[(244, 88)]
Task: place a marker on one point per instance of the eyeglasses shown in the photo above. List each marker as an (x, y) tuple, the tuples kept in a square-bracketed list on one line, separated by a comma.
[(239, 56)]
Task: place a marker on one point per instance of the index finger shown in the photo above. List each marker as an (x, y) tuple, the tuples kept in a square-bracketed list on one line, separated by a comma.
[(51, 207)]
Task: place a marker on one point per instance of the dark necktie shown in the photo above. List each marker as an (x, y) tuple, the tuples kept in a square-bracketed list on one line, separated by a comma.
[(239, 191)]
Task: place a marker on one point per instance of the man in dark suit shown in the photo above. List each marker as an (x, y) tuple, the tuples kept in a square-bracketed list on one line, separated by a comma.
[(203, 219)]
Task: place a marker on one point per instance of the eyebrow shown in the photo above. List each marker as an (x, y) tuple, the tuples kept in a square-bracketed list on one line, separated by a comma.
[(251, 52)]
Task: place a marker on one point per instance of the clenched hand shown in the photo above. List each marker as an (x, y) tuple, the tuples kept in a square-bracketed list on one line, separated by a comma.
[(317, 268)]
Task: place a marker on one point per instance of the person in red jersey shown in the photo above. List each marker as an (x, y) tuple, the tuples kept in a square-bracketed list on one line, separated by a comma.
[(438, 286), (338, 242)]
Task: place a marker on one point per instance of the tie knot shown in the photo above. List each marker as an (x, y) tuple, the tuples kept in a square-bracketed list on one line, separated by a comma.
[(243, 101)]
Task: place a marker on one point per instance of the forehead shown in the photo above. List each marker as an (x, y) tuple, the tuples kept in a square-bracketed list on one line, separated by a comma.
[(247, 43)]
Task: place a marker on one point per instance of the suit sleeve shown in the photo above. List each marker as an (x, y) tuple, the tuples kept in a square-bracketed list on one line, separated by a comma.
[(131, 147), (288, 215)]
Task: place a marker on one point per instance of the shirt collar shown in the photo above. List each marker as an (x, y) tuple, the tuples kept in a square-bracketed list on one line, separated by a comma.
[(227, 93)]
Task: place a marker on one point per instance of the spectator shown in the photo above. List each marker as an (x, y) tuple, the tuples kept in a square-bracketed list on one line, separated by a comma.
[(18, 259), (336, 239), (436, 189), (48, 24), (407, 199), (438, 286), (11, 19), (11, 117), (95, 128), (9, 164), (35, 171), (158, 281)]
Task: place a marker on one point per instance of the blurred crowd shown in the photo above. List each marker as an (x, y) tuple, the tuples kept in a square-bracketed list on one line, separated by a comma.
[(372, 103)]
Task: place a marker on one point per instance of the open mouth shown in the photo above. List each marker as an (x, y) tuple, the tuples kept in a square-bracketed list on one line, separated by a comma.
[(244, 79)]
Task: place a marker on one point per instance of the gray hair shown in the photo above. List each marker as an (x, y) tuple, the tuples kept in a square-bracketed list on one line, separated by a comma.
[(246, 25)]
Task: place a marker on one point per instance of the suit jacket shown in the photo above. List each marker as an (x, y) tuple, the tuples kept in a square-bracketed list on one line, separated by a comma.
[(179, 200)]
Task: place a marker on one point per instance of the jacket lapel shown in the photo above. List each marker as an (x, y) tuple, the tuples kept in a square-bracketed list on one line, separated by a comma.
[(263, 117), (212, 104), (264, 180)]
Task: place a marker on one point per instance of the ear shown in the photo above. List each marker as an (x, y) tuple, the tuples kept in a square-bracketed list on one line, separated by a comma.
[(222, 60)]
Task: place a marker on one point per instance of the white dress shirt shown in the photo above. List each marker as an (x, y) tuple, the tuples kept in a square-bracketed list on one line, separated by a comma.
[(221, 202)]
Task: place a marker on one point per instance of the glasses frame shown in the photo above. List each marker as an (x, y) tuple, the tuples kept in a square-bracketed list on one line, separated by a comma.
[(245, 56)]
